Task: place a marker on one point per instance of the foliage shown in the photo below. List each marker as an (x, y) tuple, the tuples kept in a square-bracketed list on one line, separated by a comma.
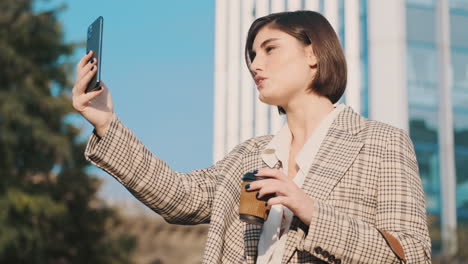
[(49, 209)]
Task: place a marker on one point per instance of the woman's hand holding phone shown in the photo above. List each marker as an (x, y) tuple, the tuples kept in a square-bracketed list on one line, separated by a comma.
[(95, 106)]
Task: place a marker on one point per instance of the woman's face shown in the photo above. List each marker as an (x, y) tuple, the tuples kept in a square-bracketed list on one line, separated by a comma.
[(283, 66)]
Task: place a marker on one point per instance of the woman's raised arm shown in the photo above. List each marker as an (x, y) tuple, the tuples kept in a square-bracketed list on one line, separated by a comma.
[(182, 198)]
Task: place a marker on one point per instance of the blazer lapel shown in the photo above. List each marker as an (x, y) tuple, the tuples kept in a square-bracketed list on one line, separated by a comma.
[(336, 154)]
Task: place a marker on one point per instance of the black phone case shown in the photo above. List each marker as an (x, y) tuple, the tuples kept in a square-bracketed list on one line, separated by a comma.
[(94, 43)]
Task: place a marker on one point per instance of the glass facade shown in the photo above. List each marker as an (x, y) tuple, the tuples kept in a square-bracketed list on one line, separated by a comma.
[(364, 59), (422, 81), (459, 51), (422, 72)]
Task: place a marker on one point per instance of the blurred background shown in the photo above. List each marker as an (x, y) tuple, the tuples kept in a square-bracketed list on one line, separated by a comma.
[(179, 82)]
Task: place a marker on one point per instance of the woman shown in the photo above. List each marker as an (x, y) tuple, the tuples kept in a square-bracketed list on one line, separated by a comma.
[(348, 190)]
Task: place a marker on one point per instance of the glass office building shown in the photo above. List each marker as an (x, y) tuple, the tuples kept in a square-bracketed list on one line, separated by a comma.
[(425, 119), (408, 66)]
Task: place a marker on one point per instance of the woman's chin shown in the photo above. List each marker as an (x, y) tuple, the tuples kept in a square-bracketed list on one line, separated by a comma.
[(268, 99), (263, 98)]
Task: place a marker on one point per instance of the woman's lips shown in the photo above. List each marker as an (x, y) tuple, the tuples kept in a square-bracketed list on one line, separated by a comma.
[(260, 82)]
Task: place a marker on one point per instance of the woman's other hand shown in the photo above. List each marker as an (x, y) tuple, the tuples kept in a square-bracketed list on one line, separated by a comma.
[(287, 193), (95, 106)]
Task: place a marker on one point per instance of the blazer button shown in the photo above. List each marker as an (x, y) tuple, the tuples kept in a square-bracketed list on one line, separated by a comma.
[(331, 258), (318, 250), (337, 261), (326, 254)]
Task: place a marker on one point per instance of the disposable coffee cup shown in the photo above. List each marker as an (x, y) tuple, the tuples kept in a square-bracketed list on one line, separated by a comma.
[(251, 209)]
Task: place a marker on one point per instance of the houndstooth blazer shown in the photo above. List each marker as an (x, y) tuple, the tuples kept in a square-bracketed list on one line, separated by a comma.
[(369, 204)]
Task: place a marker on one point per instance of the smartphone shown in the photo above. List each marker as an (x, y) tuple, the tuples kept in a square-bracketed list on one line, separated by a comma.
[(94, 43)]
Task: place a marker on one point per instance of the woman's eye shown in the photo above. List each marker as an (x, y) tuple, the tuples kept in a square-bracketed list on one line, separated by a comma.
[(268, 49)]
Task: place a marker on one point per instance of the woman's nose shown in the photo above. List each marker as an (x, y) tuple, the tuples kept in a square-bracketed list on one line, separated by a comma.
[(255, 66)]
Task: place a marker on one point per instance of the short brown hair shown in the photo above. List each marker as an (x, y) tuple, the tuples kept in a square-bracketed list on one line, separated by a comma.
[(309, 27)]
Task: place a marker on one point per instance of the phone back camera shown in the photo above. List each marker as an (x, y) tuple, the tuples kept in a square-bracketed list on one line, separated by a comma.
[(90, 32)]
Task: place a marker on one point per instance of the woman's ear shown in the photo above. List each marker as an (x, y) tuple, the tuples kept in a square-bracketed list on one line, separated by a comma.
[(311, 58)]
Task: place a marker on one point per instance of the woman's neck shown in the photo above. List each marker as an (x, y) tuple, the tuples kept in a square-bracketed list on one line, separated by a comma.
[(305, 115)]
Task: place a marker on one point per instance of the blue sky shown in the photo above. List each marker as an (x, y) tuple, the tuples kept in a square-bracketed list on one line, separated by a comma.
[(158, 59)]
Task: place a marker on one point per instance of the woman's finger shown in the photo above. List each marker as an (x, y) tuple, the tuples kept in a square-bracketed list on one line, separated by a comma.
[(83, 83), (103, 85), (84, 60), (283, 200), (273, 173), (82, 74), (86, 68), (260, 184), (275, 189)]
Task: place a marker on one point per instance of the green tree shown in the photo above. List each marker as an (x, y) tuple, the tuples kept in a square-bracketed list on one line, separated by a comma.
[(49, 212)]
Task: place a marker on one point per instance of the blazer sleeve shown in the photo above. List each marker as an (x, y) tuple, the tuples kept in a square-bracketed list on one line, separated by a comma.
[(183, 198), (400, 232)]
